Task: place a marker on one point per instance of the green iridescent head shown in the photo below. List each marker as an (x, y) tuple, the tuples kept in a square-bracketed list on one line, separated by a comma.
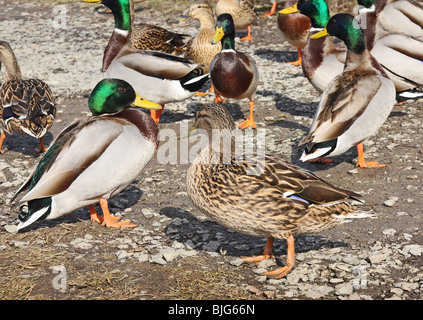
[(114, 95)]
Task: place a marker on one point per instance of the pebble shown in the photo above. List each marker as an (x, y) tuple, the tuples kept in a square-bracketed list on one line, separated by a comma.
[(391, 201)]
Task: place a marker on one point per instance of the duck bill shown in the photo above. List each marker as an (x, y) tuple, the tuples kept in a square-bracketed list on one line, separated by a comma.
[(320, 34), (142, 103), (91, 1), (218, 35), (293, 9)]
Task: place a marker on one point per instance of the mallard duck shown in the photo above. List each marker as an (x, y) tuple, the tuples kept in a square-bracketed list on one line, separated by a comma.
[(242, 11), (27, 106), (199, 48), (146, 36), (355, 104), (322, 60), (233, 74), (158, 76), (396, 51), (394, 36), (78, 171), (295, 29), (261, 195)]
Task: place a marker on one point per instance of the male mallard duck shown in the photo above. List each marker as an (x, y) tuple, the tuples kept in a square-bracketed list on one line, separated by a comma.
[(396, 51), (295, 29), (242, 11), (149, 37), (394, 36), (158, 76), (233, 74), (76, 170), (321, 59), (263, 196), (355, 104), (27, 106)]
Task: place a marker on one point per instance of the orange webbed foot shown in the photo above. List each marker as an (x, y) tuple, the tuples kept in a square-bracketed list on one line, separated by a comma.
[(370, 164), (247, 38), (257, 259), (247, 123), (295, 63)]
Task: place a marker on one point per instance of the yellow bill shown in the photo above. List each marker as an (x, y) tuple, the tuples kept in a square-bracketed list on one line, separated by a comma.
[(320, 34), (293, 9), (91, 1), (142, 103), (218, 35)]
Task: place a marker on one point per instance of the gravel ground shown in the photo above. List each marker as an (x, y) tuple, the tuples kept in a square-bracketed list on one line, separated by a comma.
[(175, 252)]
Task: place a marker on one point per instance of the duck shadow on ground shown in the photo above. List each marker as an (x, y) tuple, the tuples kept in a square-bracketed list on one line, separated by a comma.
[(25, 144), (210, 236), (125, 199), (281, 56)]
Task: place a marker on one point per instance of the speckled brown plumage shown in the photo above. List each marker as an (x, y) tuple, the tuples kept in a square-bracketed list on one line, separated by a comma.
[(200, 49), (263, 196), (27, 106), (149, 37)]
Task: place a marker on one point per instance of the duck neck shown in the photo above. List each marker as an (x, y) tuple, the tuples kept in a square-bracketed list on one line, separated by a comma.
[(13, 72), (228, 42), (117, 41), (206, 20)]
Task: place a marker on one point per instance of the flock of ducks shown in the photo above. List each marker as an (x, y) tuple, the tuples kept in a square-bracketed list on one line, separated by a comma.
[(145, 66)]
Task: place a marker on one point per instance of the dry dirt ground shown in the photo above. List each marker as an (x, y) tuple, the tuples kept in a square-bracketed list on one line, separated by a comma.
[(175, 252)]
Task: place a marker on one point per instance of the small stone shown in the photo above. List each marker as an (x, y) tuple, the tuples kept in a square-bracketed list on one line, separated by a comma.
[(11, 228), (391, 201), (389, 232), (413, 249), (158, 259), (343, 289), (378, 257), (237, 262)]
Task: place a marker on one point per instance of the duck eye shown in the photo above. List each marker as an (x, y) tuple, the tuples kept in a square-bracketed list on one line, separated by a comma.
[(122, 89)]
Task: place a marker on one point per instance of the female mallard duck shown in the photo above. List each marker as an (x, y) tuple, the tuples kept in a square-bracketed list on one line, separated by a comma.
[(158, 76), (149, 37), (27, 106), (394, 36), (264, 197), (321, 59), (199, 48), (295, 29), (75, 170), (355, 104), (242, 12), (233, 74)]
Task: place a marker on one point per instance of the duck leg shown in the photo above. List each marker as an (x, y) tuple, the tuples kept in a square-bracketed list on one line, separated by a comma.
[(272, 10), (107, 220), (248, 37), (290, 261), (298, 62), (42, 147), (267, 253), (156, 114), (2, 137), (362, 163), (250, 121)]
